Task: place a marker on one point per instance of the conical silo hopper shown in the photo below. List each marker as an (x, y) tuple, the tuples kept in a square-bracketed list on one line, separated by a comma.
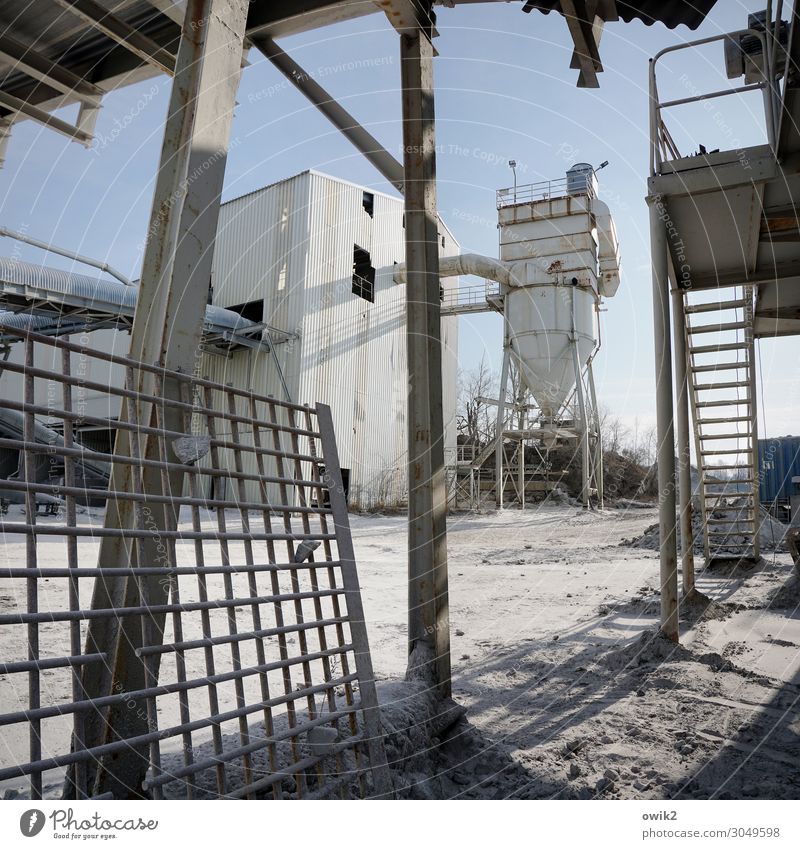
[(548, 325)]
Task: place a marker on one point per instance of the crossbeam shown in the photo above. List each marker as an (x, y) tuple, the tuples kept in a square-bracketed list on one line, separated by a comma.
[(123, 33)]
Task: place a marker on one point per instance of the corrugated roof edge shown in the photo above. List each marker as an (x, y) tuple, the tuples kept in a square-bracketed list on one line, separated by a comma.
[(342, 181), (671, 13)]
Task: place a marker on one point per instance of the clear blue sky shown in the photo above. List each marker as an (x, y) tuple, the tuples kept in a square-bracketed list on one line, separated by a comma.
[(504, 90)]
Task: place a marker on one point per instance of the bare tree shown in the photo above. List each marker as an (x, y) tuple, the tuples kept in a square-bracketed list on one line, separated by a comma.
[(475, 418), (615, 434)]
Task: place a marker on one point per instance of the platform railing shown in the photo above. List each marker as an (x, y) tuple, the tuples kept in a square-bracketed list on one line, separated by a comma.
[(544, 190), (464, 297), (662, 144)]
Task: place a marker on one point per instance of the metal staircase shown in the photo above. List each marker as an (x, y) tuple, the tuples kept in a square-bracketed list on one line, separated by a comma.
[(467, 472), (720, 348)]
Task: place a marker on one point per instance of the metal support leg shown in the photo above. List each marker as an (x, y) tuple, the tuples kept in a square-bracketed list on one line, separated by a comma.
[(584, 431), (501, 414), (683, 434), (521, 452), (666, 439), (753, 391), (428, 614), (174, 289), (598, 458)]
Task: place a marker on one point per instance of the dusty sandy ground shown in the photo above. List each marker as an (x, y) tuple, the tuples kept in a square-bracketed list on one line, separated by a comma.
[(571, 696), (567, 692)]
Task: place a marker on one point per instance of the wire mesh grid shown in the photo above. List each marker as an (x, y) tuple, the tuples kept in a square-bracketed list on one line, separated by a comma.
[(224, 651)]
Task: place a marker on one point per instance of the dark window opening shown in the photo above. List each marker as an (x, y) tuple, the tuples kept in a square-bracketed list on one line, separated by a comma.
[(326, 496), (363, 275), (368, 202), (252, 310)]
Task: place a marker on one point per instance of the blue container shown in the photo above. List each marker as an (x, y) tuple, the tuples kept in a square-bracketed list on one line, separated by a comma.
[(778, 463)]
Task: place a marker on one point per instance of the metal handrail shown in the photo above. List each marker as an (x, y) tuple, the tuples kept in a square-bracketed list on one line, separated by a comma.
[(476, 294), (660, 136), (542, 190)]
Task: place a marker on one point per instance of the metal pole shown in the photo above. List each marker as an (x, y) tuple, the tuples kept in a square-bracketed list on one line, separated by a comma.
[(666, 439), (428, 613), (584, 437), (84, 260), (501, 414), (521, 473), (599, 447), (174, 288), (683, 434), (350, 128), (521, 453), (752, 391)]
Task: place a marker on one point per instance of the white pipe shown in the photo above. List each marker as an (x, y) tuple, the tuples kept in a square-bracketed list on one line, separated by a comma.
[(84, 260), (477, 264)]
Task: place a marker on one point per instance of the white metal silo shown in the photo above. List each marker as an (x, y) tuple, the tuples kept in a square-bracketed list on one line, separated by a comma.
[(559, 256), (560, 244)]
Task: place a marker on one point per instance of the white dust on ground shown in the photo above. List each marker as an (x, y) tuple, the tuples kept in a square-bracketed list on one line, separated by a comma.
[(567, 693)]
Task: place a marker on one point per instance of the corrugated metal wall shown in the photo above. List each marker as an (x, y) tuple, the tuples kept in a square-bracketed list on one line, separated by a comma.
[(354, 352), (779, 462), (292, 245), (261, 253)]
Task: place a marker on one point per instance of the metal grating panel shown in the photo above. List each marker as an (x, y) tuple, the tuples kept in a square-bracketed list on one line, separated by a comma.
[(254, 675)]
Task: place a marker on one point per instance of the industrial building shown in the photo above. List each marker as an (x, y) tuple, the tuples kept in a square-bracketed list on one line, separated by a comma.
[(303, 282), (313, 257), (206, 637)]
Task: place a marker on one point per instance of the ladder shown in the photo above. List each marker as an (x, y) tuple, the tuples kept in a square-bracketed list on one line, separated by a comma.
[(721, 360)]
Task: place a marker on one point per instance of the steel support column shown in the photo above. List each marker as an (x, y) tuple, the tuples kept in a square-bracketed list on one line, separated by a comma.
[(683, 434), (428, 614), (584, 429), (753, 391), (666, 438), (598, 450), (499, 427), (167, 326)]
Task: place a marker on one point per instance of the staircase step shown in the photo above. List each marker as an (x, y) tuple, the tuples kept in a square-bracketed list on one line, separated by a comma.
[(724, 435), (726, 346), (728, 402), (722, 453), (728, 533), (711, 521), (720, 482), (747, 493), (730, 384), (722, 366), (723, 420), (715, 306), (718, 328)]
